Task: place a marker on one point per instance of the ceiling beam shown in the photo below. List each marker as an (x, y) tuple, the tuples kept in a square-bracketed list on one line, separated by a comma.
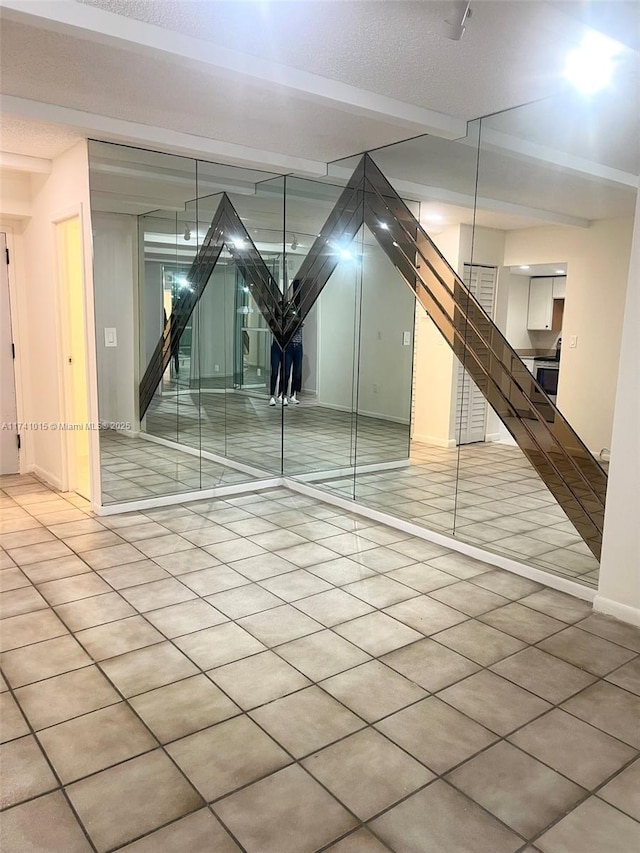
[(102, 27)]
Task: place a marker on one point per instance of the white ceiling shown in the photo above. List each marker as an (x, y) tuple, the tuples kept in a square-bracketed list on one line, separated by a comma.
[(291, 85)]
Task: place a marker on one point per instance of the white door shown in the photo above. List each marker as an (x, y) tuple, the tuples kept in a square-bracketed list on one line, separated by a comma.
[(9, 463), (471, 406)]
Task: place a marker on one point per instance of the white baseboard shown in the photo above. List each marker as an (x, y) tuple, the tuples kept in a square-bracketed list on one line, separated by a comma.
[(363, 412), (434, 441), (609, 607), (316, 476), (46, 477)]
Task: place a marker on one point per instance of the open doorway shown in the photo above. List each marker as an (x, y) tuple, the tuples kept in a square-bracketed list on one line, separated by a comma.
[(74, 354)]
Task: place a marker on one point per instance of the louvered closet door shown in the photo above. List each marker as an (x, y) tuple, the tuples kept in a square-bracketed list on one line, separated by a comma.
[(471, 406)]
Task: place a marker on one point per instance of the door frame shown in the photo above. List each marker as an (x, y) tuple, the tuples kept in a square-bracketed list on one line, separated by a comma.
[(62, 339)]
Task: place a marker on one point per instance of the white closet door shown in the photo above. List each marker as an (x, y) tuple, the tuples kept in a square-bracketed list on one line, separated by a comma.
[(471, 406)]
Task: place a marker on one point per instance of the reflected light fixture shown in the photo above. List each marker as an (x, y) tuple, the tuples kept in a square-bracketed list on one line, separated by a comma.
[(346, 255), (294, 243), (559, 272), (187, 233), (590, 66)]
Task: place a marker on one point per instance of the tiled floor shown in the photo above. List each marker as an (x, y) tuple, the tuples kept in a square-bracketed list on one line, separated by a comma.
[(267, 673), (486, 494)]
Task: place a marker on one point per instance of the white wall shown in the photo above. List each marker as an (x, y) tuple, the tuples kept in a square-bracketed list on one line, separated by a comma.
[(63, 193), (597, 270), (619, 588), (115, 293)]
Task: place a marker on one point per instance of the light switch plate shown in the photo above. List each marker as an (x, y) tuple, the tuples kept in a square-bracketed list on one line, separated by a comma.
[(406, 339), (110, 338), (573, 341)]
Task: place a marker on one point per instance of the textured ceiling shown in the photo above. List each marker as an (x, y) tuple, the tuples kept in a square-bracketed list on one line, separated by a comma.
[(35, 138), (394, 48)]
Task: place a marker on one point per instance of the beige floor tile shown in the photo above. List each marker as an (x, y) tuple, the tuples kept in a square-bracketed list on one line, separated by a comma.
[(469, 598), (450, 822), (279, 625), (306, 721), (542, 674), (44, 824), (14, 724), (493, 702), (95, 741), (380, 591), (367, 773), (42, 660), (24, 772), (523, 793), (184, 707), (145, 669), (361, 841), (262, 566), (258, 679), (592, 828), (372, 690), (172, 543), (244, 601), (378, 633), (480, 642), (295, 585), (322, 654), (144, 793), (430, 665), (91, 541), (522, 622), (559, 605), (426, 615), (586, 650), (219, 645), (13, 579), (185, 618), (460, 565), (383, 559), (74, 588), (57, 699), (579, 751), (15, 602), (132, 574), (348, 543), (610, 709), (421, 578), (624, 791), (236, 549), (506, 584), (341, 571), (436, 734), (118, 638), (196, 832), (36, 553), (30, 628), (186, 561), (227, 756), (286, 813), (98, 610), (628, 676), (24, 537), (212, 580), (309, 554), (151, 596), (115, 555), (58, 567), (612, 629), (333, 607)]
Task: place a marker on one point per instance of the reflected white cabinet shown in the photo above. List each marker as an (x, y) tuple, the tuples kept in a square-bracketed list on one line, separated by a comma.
[(540, 312), (542, 292), (559, 286)]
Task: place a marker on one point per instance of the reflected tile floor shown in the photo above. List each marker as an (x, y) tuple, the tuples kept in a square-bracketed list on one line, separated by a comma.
[(489, 495), (222, 676)]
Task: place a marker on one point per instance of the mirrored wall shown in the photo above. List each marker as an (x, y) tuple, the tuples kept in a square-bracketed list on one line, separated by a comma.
[(367, 400)]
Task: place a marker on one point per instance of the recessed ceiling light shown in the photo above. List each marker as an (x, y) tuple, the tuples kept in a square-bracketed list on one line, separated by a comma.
[(345, 254), (524, 267), (590, 66), (384, 226), (559, 272)]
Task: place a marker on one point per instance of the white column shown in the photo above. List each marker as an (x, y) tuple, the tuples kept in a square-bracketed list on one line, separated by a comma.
[(619, 589)]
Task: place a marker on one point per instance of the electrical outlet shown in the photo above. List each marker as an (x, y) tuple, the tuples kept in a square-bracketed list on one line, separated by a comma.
[(216, 368), (406, 339), (259, 372), (573, 341)]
